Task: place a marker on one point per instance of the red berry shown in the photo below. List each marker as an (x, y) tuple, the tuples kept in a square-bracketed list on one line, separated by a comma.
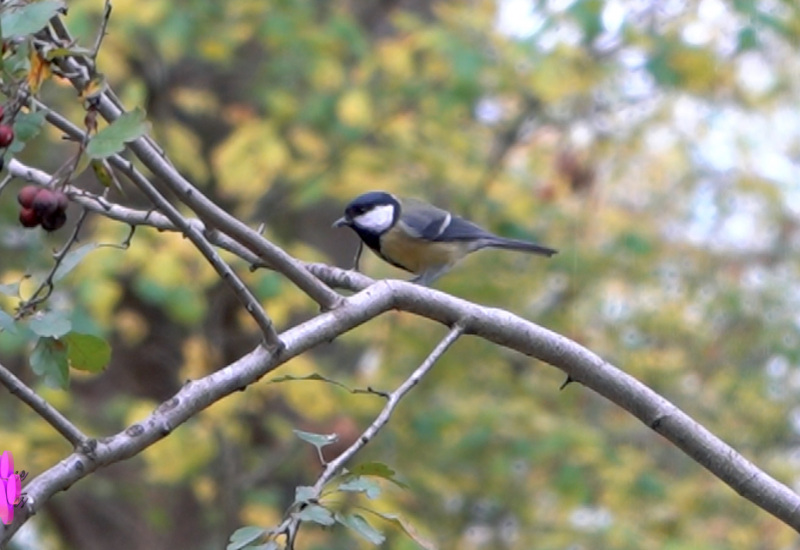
[(6, 135), (45, 202), (26, 195), (28, 218), (54, 221), (61, 200)]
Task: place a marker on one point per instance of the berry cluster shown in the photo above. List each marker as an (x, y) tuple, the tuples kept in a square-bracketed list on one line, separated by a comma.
[(42, 205)]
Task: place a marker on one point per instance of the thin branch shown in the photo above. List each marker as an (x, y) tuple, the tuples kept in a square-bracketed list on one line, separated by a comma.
[(242, 292), (336, 278), (248, 300), (58, 421), (102, 32), (45, 288), (211, 214), (131, 216), (380, 421)]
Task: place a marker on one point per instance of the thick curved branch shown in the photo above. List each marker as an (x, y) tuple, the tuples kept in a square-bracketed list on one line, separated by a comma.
[(583, 366), (495, 325)]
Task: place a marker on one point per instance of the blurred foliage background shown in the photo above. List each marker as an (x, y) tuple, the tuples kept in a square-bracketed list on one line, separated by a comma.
[(654, 143)]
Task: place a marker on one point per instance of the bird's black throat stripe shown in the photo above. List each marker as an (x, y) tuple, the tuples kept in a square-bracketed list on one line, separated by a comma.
[(373, 240)]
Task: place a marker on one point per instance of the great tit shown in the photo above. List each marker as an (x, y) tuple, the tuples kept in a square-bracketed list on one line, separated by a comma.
[(419, 237)]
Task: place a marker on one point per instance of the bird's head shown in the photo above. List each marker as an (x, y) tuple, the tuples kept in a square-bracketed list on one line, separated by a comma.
[(374, 212)]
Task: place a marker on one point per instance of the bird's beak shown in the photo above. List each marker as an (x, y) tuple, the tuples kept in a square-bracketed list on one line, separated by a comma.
[(341, 222)]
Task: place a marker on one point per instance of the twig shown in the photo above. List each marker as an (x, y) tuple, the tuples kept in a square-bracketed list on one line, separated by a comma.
[(131, 216), (211, 214), (46, 285), (6, 180), (337, 278), (335, 465), (242, 292), (248, 300), (102, 32), (43, 408)]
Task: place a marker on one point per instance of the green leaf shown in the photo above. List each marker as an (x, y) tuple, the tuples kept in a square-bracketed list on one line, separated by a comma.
[(377, 469), (26, 127), (52, 323), (409, 530), (102, 171), (361, 485), (29, 18), (7, 322), (243, 536), (11, 289), (18, 63), (71, 260), (358, 524), (318, 440), (112, 139), (636, 243), (317, 514), (588, 14), (49, 359), (271, 545), (304, 494), (747, 39), (87, 352)]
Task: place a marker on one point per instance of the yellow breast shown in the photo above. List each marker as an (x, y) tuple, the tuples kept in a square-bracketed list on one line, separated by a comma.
[(418, 255)]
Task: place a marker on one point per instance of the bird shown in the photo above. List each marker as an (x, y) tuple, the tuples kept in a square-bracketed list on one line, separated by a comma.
[(421, 238)]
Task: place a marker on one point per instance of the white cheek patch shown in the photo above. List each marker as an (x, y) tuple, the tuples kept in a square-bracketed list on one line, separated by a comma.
[(379, 219)]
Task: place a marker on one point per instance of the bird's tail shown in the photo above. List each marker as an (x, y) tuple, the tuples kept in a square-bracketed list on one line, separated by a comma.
[(515, 244)]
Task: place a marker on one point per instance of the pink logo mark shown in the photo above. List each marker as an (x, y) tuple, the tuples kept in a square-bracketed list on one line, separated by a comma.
[(10, 488)]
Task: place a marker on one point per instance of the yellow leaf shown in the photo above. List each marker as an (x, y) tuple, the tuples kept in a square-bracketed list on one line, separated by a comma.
[(185, 150), (698, 66), (308, 142), (131, 326), (395, 59), (40, 71), (198, 358), (214, 49), (194, 100), (168, 462), (93, 88), (355, 109), (327, 75), (282, 105), (249, 159)]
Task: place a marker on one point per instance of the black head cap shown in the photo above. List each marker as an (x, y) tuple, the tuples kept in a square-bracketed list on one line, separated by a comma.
[(368, 201)]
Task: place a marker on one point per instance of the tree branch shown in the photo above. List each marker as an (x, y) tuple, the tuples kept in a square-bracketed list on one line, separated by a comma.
[(338, 463), (211, 214), (63, 426), (495, 325), (243, 294)]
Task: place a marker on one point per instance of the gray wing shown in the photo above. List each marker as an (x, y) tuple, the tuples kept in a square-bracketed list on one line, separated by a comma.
[(460, 229), (424, 221)]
